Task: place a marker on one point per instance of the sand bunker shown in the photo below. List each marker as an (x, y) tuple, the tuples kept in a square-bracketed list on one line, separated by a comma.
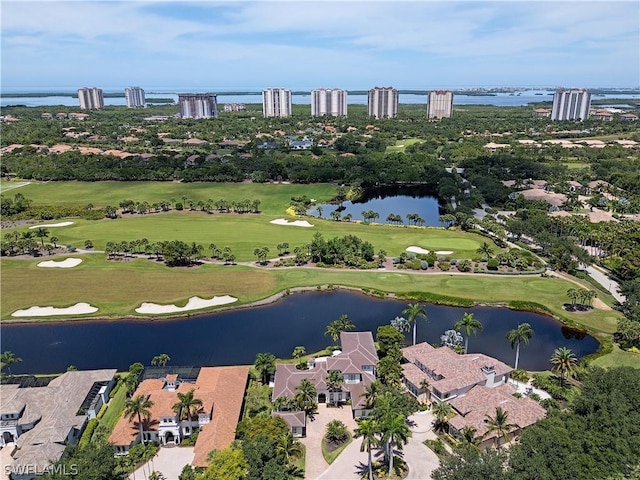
[(444, 252), (77, 309), (61, 224), (414, 249), (194, 303), (295, 223), (66, 263)]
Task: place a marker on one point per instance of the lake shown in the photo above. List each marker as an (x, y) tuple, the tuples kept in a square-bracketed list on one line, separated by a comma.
[(399, 200), (234, 337)]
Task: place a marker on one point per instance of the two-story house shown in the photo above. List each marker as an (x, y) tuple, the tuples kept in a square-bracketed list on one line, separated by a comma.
[(475, 385), (221, 390), (356, 361), (37, 423)]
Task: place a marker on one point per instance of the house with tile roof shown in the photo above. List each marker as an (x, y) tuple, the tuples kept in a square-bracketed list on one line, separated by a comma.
[(39, 422), (221, 390), (474, 384), (356, 362)]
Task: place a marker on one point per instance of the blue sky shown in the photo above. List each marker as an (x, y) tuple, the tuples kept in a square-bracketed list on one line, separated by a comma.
[(307, 44)]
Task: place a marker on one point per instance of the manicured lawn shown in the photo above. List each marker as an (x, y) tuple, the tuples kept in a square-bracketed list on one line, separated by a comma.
[(618, 358), (117, 288), (115, 409), (245, 233), (274, 198), (401, 145), (330, 456)]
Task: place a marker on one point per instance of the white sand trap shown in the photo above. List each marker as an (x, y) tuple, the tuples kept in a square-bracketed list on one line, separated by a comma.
[(50, 225), (194, 303), (414, 249), (66, 263), (77, 309), (295, 223), (444, 252)]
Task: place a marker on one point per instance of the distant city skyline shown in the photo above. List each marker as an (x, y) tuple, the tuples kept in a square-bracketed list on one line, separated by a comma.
[(305, 45)]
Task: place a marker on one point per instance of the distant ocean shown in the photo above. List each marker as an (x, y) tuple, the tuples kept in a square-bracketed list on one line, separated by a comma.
[(62, 97)]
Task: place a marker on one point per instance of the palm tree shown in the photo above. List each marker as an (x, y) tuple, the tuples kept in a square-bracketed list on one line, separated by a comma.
[(371, 393), (160, 360), (54, 240), (468, 436), (572, 293), (470, 325), (42, 233), (335, 328), (265, 364), (306, 396), (565, 362), (138, 407), (522, 334), (334, 383), (500, 425), (424, 385), (319, 210), (442, 411), (289, 447), (485, 249), (395, 432), (413, 311), (7, 359), (186, 407), (367, 429)]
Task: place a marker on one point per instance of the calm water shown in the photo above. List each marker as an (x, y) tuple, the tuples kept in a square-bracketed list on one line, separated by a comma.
[(234, 337), (500, 99), (425, 206)]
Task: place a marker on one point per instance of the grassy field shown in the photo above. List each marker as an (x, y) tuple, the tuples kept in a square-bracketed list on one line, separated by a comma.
[(117, 288), (244, 233), (618, 358), (274, 197), (401, 145)]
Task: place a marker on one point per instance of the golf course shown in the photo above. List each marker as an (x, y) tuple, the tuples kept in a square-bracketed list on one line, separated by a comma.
[(118, 287)]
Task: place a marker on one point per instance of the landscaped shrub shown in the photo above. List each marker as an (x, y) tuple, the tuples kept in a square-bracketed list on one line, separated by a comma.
[(444, 266), (179, 206), (88, 432), (464, 265), (520, 375), (493, 264), (424, 265), (103, 409)]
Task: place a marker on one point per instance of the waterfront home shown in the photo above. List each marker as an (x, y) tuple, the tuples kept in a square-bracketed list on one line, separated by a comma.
[(38, 422), (356, 362), (475, 385), (221, 390)]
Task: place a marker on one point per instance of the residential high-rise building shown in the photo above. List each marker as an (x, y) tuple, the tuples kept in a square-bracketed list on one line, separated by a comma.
[(198, 105), (383, 102), (440, 104), (276, 102), (135, 97), (90, 98), (332, 101), (571, 104)]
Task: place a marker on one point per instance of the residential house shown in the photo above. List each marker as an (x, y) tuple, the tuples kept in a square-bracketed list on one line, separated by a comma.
[(297, 422), (628, 117), (46, 116), (356, 361), (541, 113), (41, 421), (221, 390), (473, 384), (603, 115)]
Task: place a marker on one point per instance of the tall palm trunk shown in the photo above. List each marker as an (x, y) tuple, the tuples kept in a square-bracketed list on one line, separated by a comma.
[(414, 330), (466, 344), (390, 459), (517, 355), (370, 462), (141, 430)]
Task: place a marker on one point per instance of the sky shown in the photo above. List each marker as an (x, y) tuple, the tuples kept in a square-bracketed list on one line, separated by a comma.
[(240, 45)]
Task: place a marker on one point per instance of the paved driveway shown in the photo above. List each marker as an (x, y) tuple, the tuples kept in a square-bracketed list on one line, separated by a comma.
[(352, 463), (314, 462), (169, 461)]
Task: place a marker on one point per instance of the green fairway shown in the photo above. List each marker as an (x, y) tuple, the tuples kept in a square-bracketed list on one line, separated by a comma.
[(401, 145), (244, 233), (274, 198), (117, 288), (618, 358)]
